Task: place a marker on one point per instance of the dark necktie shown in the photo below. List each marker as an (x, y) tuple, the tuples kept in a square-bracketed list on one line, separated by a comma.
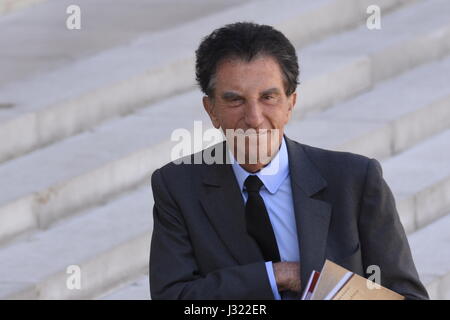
[(258, 222)]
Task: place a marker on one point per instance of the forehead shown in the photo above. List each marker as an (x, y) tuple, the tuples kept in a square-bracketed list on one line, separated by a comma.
[(238, 75)]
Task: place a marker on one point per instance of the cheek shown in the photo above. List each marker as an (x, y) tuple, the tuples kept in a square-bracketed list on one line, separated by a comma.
[(279, 117), (231, 117)]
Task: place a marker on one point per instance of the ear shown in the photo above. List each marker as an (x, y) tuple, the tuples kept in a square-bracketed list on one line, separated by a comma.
[(208, 104), (292, 100)]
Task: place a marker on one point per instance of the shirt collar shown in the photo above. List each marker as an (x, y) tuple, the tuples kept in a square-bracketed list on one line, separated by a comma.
[(271, 175)]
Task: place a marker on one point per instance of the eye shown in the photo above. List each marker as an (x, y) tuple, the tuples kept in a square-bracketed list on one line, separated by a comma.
[(269, 98), (235, 101)]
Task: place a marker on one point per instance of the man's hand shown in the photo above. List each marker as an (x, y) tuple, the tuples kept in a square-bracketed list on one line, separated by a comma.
[(287, 276)]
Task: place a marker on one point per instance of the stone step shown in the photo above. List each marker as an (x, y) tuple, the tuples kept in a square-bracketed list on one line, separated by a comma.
[(84, 170), (429, 247), (72, 99), (37, 39), (349, 63), (394, 115), (87, 169), (138, 289), (110, 243), (420, 178)]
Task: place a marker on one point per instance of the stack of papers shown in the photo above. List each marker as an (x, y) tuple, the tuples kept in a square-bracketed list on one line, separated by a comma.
[(337, 283)]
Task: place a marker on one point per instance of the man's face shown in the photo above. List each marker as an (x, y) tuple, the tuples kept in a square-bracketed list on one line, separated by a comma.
[(250, 95)]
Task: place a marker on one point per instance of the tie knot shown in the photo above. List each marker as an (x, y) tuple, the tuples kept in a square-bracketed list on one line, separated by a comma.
[(253, 183)]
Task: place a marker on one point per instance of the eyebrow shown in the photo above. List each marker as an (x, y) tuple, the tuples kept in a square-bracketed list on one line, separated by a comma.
[(227, 95), (230, 95), (271, 90)]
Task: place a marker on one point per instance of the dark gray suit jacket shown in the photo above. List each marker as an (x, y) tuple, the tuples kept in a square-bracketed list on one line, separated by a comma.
[(344, 210)]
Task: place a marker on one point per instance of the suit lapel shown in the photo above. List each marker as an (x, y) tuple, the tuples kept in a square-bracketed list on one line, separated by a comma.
[(312, 215), (223, 203)]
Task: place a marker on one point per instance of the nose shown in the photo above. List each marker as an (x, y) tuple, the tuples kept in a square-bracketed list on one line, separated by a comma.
[(253, 114)]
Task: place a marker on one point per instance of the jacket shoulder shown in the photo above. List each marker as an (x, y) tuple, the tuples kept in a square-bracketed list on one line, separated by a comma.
[(181, 169), (338, 163)]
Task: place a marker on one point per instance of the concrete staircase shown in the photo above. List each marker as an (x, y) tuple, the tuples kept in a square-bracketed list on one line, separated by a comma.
[(81, 136)]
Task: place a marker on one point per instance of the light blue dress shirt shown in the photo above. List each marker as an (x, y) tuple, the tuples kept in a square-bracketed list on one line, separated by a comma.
[(277, 195)]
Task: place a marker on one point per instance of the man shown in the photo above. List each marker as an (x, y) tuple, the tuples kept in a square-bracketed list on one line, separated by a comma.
[(256, 229)]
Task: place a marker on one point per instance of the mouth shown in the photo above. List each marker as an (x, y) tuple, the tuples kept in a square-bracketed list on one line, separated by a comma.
[(253, 146), (254, 132)]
